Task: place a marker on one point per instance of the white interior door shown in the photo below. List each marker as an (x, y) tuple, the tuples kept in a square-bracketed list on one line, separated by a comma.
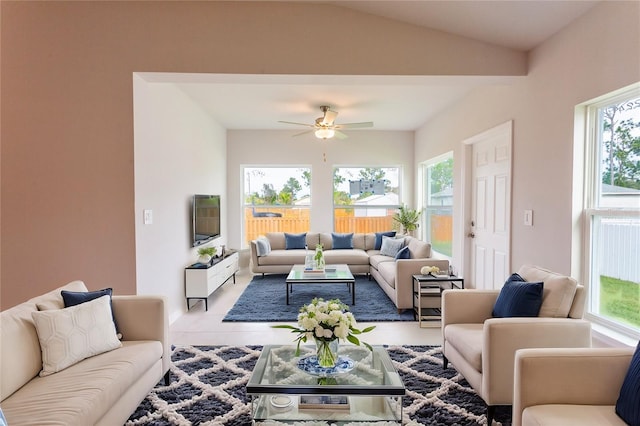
[(488, 230)]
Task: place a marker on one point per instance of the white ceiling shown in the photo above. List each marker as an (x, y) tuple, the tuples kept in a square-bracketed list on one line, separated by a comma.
[(392, 103)]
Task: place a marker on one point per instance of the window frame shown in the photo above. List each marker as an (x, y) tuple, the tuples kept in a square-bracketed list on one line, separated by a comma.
[(245, 205), (593, 208), (365, 207), (424, 191)]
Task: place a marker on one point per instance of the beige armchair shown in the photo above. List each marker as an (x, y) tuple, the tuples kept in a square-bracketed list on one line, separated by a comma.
[(482, 348), (569, 387)]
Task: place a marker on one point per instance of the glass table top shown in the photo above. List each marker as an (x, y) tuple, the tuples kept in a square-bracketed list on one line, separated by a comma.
[(339, 273), (373, 373)]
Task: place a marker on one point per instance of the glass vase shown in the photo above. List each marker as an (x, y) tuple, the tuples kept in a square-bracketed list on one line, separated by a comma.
[(327, 352)]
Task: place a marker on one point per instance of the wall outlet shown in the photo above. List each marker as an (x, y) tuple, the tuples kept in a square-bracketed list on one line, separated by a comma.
[(528, 218), (147, 217)]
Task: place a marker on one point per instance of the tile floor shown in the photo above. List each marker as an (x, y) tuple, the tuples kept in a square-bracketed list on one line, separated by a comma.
[(200, 327)]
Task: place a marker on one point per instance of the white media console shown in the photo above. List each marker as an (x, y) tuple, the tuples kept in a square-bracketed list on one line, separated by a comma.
[(201, 281)]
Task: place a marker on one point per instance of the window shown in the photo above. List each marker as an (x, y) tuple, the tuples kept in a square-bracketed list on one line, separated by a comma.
[(612, 212), (365, 198), (437, 200), (276, 199)]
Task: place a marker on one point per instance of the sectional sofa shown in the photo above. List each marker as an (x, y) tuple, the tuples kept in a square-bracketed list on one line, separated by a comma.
[(270, 255)]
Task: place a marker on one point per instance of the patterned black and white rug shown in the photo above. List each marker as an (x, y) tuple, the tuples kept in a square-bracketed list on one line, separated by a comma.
[(208, 388)]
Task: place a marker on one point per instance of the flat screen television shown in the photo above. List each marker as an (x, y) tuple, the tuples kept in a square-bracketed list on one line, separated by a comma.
[(205, 224)]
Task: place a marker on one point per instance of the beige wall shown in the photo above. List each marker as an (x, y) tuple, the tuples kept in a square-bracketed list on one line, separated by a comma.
[(68, 202), (597, 54)]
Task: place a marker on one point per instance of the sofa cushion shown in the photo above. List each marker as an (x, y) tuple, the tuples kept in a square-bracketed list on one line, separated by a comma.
[(73, 298), (419, 249), (467, 340), (376, 259), (628, 403), (346, 256), (378, 239), (391, 246), (403, 253), (359, 241), (341, 241), (559, 290), (283, 257), (276, 240), (388, 272), (84, 392), (295, 241), (518, 298), (70, 335), (571, 415), (263, 247)]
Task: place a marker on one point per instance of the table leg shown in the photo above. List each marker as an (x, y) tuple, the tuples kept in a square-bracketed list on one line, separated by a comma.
[(353, 293), (287, 293)]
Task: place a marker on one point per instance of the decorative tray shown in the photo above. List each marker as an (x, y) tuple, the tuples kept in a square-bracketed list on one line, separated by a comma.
[(309, 364)]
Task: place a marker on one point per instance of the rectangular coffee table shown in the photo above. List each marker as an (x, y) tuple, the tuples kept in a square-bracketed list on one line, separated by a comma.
[(333, 274), (371, 391)]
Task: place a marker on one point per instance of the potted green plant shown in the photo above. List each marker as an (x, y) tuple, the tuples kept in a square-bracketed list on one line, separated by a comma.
[(206, 253), (407, 218)]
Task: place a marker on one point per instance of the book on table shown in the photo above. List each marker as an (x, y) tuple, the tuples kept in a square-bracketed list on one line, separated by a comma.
[(323, 402)]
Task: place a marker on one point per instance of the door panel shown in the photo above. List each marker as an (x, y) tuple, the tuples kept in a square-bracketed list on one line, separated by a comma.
[(490, 222)]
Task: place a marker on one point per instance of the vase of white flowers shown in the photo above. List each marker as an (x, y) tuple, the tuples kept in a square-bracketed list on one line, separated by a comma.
[(326, 322)]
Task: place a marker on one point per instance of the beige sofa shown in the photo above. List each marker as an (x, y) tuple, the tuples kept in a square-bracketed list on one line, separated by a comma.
[(100, 390), (482, 348), (569, 387), (394, 276)]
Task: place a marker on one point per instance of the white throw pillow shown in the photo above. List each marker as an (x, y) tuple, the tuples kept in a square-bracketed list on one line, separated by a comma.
[(263, 247), (391, 246), (72, 334)]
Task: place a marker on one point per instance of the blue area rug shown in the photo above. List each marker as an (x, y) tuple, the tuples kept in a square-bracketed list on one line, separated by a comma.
[(208, 387), (264, 300)]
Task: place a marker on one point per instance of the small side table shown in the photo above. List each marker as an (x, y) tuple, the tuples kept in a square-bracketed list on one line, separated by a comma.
[(427, 297)]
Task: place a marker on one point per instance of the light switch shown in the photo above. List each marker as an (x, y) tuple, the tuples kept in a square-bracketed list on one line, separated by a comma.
[(148, 217), (528, 218)]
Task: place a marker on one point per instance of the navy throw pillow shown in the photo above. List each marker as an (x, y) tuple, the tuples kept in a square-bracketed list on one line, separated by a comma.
[(628, 403), (404, 253), (342, 241), (378, 242), (295, 241), (73, 298), (518, 298)]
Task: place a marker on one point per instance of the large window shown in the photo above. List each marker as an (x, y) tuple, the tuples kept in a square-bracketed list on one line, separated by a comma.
[(437, 199), (276, 199), (612, 212), (365, 198)]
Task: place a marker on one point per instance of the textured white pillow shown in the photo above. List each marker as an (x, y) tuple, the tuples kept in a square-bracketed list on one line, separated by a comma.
[(391, 246), (263, 247), (70, 335)]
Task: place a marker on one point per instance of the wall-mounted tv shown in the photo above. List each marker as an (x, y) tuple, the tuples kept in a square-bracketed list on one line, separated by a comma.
[(205, 224)]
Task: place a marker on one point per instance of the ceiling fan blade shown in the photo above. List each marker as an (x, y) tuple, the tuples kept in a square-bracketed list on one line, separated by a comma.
[(354, 125), (340, 135), (329, 117), (297, 124), (303, 133)]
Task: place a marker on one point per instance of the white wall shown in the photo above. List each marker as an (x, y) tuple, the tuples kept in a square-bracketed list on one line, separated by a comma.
[(179, 151), (596, 54), (276, 147)]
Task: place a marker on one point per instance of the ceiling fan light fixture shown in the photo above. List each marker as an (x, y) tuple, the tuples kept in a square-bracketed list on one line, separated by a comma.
[(325, 133)]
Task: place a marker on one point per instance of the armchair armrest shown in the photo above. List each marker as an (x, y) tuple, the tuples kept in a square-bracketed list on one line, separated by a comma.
[(585, 376), (467, 306), (503, 336), (144, 318), (405, 269)]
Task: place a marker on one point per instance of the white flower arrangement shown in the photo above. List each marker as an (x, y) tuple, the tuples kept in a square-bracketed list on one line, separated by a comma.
[(326, 321), (426, 270)]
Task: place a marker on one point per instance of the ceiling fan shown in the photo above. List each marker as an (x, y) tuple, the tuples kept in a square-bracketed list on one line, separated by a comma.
[(325, 126)]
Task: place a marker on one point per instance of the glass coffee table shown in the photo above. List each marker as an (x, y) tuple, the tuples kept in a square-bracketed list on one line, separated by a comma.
[(365, 388), (332, 274)]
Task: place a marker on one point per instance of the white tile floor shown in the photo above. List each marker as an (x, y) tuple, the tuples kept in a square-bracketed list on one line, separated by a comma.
[(200, 327)]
